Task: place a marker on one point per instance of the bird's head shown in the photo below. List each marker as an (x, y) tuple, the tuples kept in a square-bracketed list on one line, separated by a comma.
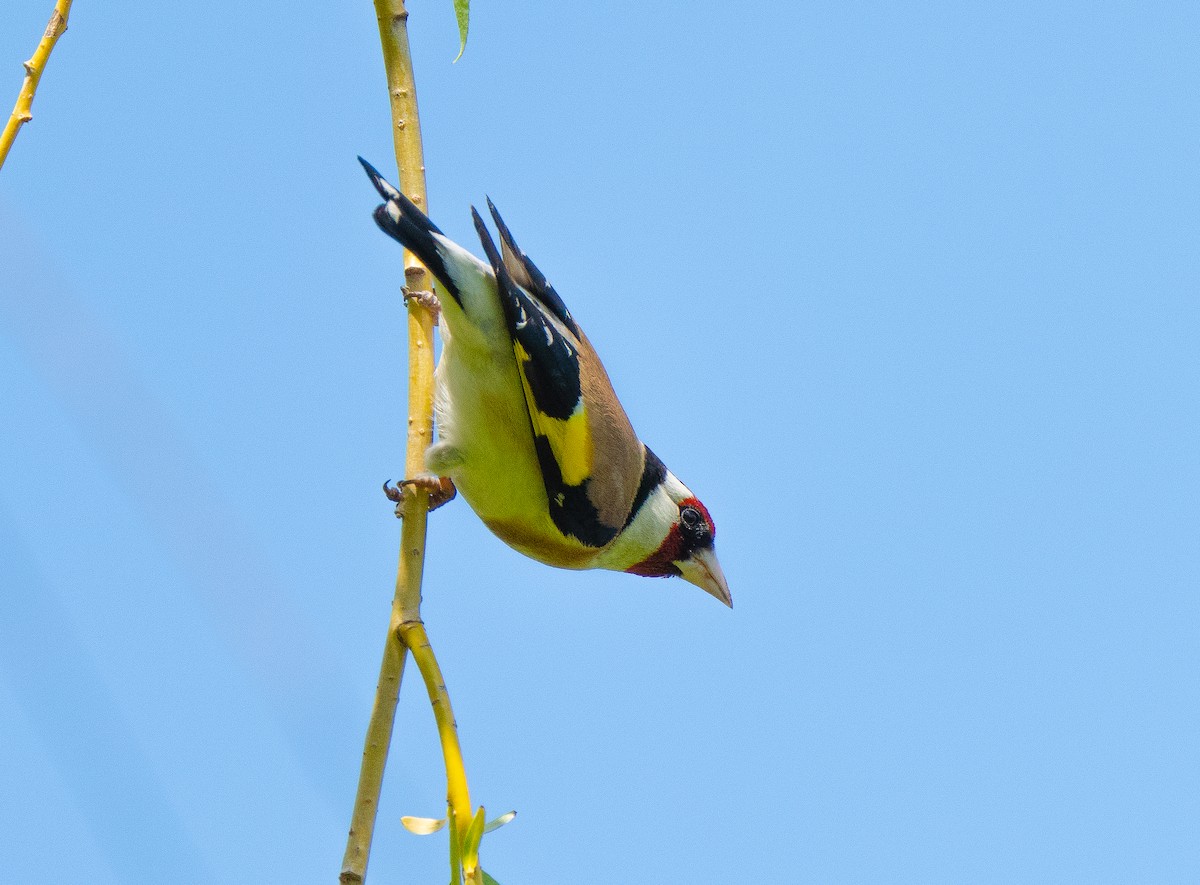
[(672, 533)]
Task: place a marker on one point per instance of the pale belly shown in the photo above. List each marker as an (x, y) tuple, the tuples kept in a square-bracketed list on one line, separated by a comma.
[(481, 413)]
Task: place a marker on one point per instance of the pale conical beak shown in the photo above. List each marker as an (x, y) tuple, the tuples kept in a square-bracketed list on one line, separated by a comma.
[(703, 570)]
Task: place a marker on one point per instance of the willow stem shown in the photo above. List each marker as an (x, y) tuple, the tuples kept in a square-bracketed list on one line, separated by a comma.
[(33, 74), (458, 797), (406, 603)]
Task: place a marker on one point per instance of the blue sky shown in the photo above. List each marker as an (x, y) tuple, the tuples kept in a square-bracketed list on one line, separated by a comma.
[(907, 294)]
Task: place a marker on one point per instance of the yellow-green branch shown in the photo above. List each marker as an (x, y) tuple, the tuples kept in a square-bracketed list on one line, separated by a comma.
[(458, 797), (405, 630), (33, 74)]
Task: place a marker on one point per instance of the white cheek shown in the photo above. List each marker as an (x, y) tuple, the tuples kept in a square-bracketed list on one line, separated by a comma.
[(642, 537)]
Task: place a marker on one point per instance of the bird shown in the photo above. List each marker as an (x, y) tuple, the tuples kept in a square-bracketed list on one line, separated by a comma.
[(529, 429)]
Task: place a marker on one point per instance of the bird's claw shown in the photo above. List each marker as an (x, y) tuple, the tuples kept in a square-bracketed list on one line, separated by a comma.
[(426, 299), (440, 488)]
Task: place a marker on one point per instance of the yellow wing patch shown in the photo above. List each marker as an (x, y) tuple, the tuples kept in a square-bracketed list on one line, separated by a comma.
[(570, 440)]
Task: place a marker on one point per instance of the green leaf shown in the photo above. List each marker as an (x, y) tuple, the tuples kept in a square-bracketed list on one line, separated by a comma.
[(499, 822), (462, 12), (488, 880), (455, 853), (470, 853), (422, 826)]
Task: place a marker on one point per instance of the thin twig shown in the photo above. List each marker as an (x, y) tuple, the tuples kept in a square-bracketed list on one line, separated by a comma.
[(33, 74), (458, 797), (374, 758)]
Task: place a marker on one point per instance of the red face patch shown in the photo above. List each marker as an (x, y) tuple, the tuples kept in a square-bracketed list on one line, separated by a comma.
[(695, 502)]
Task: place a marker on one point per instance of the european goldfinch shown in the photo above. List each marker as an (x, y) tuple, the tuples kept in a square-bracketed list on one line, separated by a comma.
[(529, 428)]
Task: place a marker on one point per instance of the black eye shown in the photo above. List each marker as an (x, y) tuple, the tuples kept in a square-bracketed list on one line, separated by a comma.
[(694, 527)]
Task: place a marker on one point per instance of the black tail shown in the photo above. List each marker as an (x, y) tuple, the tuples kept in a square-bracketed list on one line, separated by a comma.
[(401, 220), (489, 246), (527, 274)]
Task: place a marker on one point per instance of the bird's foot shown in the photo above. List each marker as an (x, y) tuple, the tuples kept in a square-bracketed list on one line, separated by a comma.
[(440, 488), (426, 299)]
